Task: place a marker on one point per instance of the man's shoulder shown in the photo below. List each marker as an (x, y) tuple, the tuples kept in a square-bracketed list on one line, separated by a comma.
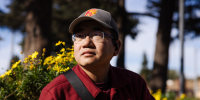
[(57, 83), (127, 74)]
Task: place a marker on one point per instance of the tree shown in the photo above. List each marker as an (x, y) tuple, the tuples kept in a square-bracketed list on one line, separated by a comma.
[(47, 23), (162, 45), (32, 17), (126, 24), (41, 25), (38, 26), (160, 65)]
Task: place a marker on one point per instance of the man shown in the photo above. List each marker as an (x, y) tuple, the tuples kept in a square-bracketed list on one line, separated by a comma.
[(95, 37)]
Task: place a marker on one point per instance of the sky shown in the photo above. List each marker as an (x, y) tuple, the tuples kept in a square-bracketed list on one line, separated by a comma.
[(143, 43)]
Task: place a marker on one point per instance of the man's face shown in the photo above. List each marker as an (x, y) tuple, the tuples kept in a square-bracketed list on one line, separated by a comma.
[(89, 52)]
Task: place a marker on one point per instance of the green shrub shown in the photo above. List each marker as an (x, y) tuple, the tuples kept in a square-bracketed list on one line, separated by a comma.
[(26, 79), (170, 95)]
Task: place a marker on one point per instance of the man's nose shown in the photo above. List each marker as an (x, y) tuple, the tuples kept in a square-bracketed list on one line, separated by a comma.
[(87, 39), (87, 42)]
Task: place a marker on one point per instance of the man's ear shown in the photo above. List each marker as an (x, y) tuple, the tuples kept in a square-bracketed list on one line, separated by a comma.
[(117, 48)]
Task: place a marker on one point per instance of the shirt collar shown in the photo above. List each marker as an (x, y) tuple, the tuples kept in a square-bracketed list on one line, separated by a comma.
[(90, 85), (117, 80)]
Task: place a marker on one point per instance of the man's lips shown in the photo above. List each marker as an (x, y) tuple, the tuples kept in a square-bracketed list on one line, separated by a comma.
[(88, 53)]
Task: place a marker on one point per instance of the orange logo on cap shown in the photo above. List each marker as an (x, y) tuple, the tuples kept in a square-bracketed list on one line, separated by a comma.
[(91, 12)]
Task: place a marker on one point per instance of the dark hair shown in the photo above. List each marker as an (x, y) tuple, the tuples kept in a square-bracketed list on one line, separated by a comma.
[(115, 38)]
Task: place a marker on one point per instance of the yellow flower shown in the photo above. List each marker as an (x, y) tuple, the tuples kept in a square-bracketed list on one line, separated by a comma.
[(6, 73), (48, 60), (63, 43), (59, 63), (16, 64), (182, 97), (64, 69), (43, 51), (32, 66), (165, 98), (3, 75), (34, 55), (26, 60), (62, 50), (49, 67), (157, 95), (59, 58), (59, 43), (71, 49), (57, 68)]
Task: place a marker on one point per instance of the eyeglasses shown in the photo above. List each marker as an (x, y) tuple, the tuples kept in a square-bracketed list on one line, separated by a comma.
[(95, 36)]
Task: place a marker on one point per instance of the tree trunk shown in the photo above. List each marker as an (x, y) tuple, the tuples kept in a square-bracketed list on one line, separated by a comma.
[(38, 26), (160, 65), (121, 21)]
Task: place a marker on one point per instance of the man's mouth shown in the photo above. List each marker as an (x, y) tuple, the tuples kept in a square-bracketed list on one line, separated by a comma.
[(88, 53)]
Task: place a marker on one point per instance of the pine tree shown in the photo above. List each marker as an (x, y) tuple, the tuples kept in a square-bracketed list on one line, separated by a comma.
[(145, 71)]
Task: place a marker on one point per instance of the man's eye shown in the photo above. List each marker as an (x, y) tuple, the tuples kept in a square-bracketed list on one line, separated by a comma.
[(96, 33)]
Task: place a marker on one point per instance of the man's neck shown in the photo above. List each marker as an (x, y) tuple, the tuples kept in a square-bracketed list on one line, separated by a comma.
[(97, 73)]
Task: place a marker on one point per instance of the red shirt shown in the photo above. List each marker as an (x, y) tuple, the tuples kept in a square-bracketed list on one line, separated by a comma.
[(124, 85)]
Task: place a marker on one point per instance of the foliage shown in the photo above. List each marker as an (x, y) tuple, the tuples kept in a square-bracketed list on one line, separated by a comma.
[(63, 12), (172, 74), (192, 19), (56, 15), (26, 79)]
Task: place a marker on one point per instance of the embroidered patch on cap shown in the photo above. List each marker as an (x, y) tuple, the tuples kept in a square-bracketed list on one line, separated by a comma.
[(91, 12)]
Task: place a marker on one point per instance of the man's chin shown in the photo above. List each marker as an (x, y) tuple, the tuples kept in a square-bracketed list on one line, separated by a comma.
[(87, 64)]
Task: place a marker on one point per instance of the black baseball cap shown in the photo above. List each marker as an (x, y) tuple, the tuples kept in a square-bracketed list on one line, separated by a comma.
[(101, 16)]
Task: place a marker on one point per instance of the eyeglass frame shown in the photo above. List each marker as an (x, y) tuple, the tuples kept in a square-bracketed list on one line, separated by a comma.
[(88, 34)]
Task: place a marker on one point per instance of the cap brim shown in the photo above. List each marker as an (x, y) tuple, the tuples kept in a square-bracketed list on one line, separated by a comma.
[(85, 18)]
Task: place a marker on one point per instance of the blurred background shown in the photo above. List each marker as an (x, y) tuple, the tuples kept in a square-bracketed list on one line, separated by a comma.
[(149, 31)]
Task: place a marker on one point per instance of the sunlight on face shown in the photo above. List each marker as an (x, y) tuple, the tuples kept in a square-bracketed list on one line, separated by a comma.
[(89, 52)]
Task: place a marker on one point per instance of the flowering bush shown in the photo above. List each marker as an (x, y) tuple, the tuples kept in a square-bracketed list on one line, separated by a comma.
[(158, 95), (25, 79)]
